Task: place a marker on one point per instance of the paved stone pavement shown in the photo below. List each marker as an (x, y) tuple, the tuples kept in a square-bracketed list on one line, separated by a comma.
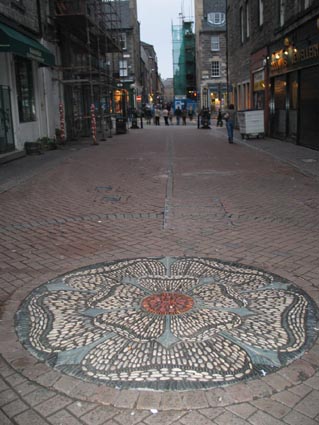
[(167, 191)]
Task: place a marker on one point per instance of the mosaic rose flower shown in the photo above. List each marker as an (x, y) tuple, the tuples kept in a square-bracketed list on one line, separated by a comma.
[(166, 323)]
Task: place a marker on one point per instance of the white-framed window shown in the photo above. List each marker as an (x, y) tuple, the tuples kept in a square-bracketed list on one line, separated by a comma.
[(247, 13), (216, 18), (123, 40), (261, 12), (123, 68), (215, 69), (214, 43)]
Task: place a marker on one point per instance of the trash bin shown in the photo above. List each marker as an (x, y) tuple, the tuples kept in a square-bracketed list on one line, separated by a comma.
[(120, 125)]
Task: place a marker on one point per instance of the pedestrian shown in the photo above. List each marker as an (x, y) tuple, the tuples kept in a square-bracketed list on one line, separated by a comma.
[(219, 119), (157, 115), (148, 115), (229, 117), (190, 113), (165, 115), (178, 114), (184, 115), (170, 116)]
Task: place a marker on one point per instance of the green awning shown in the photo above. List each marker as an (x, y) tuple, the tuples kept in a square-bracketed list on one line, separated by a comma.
[(17, 43)]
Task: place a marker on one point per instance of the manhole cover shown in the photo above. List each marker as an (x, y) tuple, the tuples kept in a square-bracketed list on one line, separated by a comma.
[(167, 323)]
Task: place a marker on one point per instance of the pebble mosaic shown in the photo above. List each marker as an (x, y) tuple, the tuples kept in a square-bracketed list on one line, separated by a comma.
[(167, 323)]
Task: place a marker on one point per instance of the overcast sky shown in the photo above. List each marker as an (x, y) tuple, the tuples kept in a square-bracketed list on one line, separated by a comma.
[(156, 18)]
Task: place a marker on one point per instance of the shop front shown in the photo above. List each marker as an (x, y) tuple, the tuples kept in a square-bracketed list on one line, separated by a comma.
[(294, 70), (24, 104)]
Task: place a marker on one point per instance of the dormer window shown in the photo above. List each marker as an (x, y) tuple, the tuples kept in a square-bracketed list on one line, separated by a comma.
[(216, 18)]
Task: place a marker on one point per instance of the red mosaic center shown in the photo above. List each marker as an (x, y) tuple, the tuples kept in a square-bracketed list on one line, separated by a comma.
[(167, 303)]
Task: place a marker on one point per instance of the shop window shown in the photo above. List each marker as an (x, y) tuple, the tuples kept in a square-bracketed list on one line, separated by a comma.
[(215, 70), (293, 105), (214, 42), (280, 105), (25, 89)]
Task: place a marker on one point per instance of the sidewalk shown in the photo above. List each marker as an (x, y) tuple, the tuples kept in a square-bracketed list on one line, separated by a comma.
[(304, 159)]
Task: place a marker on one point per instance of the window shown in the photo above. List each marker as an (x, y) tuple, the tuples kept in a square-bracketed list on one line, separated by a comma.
[(241, 23), (25, 90), (215, 69), (123, 68), (261, 12), (214, 42), (216, 18), (123, 40), (308, 3), (18, 4), (247, 10), (281, 14)]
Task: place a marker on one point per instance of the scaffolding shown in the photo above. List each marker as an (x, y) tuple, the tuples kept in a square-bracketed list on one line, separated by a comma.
[(89, 35), (184, 59)]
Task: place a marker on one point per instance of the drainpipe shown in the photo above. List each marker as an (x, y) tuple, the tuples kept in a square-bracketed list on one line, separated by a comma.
[(39, 19), (227, 69)]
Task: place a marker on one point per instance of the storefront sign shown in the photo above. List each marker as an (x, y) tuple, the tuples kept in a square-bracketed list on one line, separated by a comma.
[(310, 52)]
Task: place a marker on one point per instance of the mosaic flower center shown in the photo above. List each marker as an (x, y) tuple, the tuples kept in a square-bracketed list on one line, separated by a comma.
[(168, 303)]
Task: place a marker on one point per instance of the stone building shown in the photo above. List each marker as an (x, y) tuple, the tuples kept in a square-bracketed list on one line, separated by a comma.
[(27, 85), (127, 64), (273, 60), (66, 67), (150, 82), (211, 68)]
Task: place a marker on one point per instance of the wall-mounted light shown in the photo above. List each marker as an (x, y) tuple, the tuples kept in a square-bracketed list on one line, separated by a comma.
[(286, 53), (277, 56)]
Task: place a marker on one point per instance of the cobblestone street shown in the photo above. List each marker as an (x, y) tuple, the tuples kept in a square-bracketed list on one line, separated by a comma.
[(161, 277)]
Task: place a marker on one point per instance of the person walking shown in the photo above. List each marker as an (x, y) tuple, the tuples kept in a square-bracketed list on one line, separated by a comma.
[(170, 116), (219, 122), (157, 115), (184, 115), (165, 115), (229, 117), (178, 114)]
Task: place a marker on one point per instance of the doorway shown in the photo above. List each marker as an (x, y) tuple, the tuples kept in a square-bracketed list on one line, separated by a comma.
[(6, 129)]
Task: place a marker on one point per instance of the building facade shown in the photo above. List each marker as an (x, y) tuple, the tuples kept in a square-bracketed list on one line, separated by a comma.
[(127, 64), (211, 68), (27, 75), (151, 80), (273, 59), (67, 66)]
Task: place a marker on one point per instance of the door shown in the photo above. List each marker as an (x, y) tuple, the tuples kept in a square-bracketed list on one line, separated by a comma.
[(309, 108), (6, 129)]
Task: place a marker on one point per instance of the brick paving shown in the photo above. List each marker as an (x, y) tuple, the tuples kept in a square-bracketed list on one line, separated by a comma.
[(155, 192)]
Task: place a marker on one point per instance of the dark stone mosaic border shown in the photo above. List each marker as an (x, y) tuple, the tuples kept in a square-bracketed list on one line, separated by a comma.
[(91, 323)]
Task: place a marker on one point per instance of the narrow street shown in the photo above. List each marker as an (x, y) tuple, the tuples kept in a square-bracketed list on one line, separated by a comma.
[(176, 200)]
